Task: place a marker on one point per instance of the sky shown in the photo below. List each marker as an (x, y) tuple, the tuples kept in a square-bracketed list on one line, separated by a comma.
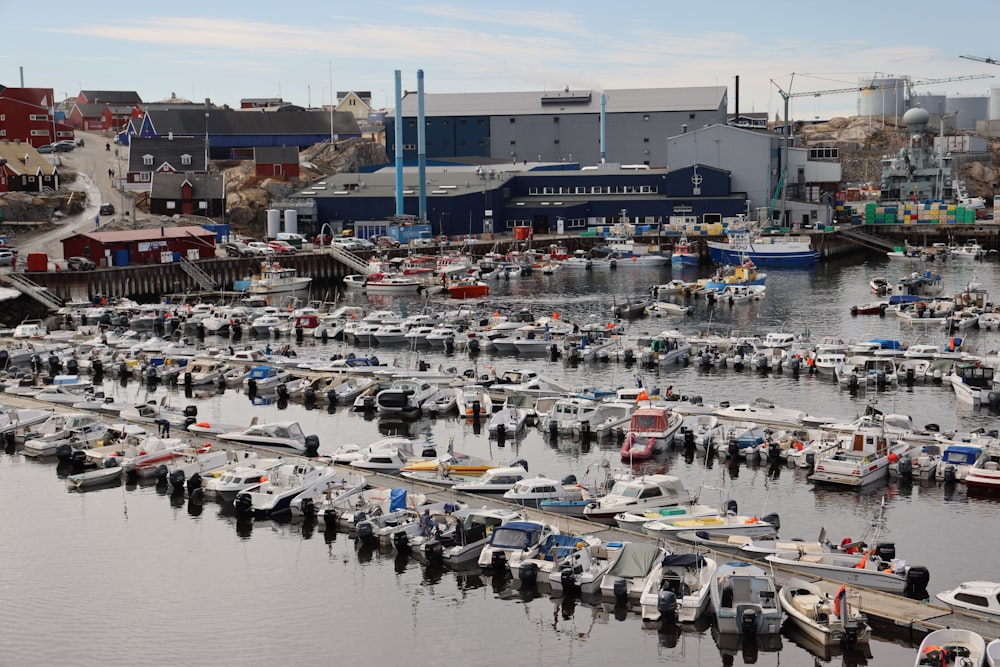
[(301, 51)]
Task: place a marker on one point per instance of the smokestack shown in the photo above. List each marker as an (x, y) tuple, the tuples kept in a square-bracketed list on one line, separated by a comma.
[(21, 68), (399, 144), (736, 113), (421, 146)]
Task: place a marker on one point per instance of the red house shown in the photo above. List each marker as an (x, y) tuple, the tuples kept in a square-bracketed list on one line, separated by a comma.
[(26, 116), (23, 169), (282, 161), (140, 246)]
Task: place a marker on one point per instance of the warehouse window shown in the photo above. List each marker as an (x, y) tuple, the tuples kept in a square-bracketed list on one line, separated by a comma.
[(171, 205), (556, 141), (555, 119), (691, 116), (512, 120), (38, 116), (645, 116), (513, 142), (645, 140)]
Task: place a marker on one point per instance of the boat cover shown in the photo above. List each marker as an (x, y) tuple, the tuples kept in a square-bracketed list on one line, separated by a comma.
[(397, 500), (683, 560), (557, 546), (515, 535), (635, 560)]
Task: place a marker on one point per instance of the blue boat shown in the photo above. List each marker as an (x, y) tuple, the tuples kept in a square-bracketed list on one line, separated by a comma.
[(743, 273), (777, 250), (683, 253)]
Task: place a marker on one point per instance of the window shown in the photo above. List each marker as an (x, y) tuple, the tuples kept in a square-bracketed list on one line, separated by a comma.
[(185, 159), (444, 122), (512, 120), (645, 116), (203, 204), (556, 141), (171, 205), (645, 140), (412, 123), (144, 177), (3, 133), (555, 119), (972, 599), (690, 116), (38, 116), (409, 147), (39, 133), (147, 160), (3, 117), (461, 121), (513, 142)]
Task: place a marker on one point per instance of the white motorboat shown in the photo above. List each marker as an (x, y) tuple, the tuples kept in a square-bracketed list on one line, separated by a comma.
[(993, 653), (215, 428), (636, 495), (980, 598), (467, 400), (828, 620), (763, 411), (951, 646), (678, 588), (472, 533), (531, 491), (340, 487), (204, 372), (443, 401), (281, 486), (244, 473), (985, 473), (495, 481), (626, 578), (405, 396), (744, 598), (513, 542), (133, 451), (864, 569), (80, 428), (569, 414), (660, 308), (583, 569), (275, 281), (265, 378), (863, 458), (179, 470), (284, 435), (109, 474), (729, 523), (508, 422), (12, 421), (972, 382)]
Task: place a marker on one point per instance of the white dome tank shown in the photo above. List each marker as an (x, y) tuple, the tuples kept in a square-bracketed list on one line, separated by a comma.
[(273, 222), (291, 221), (882, 97)]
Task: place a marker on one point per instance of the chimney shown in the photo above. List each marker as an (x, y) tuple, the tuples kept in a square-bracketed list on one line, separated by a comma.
[(736, 114), (162, 231)]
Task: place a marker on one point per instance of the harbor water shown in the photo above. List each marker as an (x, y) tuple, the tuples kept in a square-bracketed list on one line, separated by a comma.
[(132, 575)]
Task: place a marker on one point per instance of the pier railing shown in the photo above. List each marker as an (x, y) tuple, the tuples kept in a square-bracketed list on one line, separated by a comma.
[(34, 290), (356, 262), (204, 280)]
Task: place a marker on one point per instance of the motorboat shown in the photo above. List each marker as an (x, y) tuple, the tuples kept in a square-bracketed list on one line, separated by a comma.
[(862, 458), (763, 411), (193, 461), (919, 463), (388, 283), (282, 485), (453, 464), (243, 474), (985, 472), (315, 504), (468, 288), (660, 308), (957, 460), (744, 598), (625, 580), (656, 422), (15, 420), (583, 569), (404, 396), (980, 598), (637, 449), (531, 491), (467, 400), (443, 401), (568, 415), (283, 435), (265, 378), (472, 534), (495, 481), (643, 493), (951, 646), (275, 281), (636, 520), (828, 620), (862, 569), (684, 253), (133, 451), (973, 383), (203, 372), (507, 422), (538, 569), (730, 523), (79, 428), (677, 589), (513, 542)]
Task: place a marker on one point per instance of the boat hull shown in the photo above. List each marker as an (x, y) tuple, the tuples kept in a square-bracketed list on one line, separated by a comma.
[(798, 254)]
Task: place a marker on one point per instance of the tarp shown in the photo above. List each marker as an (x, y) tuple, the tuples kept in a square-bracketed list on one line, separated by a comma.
[(397, 500), (683, 560), (635, 560), (515, 535)]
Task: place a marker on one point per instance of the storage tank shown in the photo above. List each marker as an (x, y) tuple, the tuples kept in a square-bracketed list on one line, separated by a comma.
[(967, 110), (995, 103), (882, 97), (273, 222), (931, 102), (291, 221)]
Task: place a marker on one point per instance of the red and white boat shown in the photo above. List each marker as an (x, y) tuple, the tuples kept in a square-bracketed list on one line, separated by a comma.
[(872, 308), (637, 449), (468, 288), (656, 423), (388, 283), (985, 473)]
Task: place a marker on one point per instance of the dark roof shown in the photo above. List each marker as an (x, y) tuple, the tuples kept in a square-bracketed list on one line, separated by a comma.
[(121, 109), (276, 154), (91, 110), (191, 122), (112, 96), (265, 100), (363, 94), (166, 185), (145, 234), (166, 150)]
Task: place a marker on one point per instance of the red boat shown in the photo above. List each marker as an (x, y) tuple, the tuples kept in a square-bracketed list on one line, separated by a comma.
[(873, 308), (637, 451), (468, 288)]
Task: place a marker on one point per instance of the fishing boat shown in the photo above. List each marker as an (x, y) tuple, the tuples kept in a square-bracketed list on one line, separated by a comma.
[(273, 280), (863, 569), (763, 250), (683, 253), (468, 288), (826, 619), (388, 283), (863, 458), (745, 600)]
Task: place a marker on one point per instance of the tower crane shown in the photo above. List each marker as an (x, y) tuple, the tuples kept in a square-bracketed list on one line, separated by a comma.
[(988, 61)]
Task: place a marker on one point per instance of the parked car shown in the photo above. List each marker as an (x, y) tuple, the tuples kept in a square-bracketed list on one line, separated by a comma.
[(6, 257), (80, 264), (238, 250), (107, 209), (386, 242), (47, 148), (281, 247), (345, 244), (362, 244), (261, 248), (64, 146)]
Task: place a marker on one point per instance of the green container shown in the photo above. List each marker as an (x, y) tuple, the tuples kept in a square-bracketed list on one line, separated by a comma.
[(829, 228)]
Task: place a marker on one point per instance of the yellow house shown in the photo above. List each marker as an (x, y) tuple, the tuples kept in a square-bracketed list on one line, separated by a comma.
[(358, 103)]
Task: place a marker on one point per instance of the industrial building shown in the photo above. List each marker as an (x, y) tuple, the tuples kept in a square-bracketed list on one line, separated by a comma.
[(557, 126), (142, 246)]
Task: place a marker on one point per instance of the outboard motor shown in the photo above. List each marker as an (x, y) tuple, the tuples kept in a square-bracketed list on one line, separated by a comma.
[(308, 507), (312, 446), (150, 374), (621, 590), (331, 397), (906, 467), (917, 578), (252, 387), (330, 519), (885, 551), (309, 395), (950, 473), (528, 573), (299, 334), (434, 551), (161, 473), (195, 492), (911, 376), (244, 504), (566, 578), (176, 480), (72, 367), (64, 453), (97, 367), (772, 519), (282, 392), (501, 432), (365, 531), (55, 365), (732, 507), (748, 621), (568, 480), (473, 345), (187, 379), (666, 604), (522, 463)]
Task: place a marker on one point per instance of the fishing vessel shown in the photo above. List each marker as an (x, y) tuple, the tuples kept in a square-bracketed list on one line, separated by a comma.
[(763, 250)]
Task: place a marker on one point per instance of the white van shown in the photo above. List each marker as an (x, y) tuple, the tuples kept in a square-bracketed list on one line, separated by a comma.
[(293, 239)]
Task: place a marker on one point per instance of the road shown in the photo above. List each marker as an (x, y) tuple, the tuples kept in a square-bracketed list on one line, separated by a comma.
[(91, 162)]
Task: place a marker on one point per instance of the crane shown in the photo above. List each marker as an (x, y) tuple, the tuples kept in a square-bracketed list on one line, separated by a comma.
[(988, 61)]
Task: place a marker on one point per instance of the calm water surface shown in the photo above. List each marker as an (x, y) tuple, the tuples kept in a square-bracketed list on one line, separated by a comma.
[(129, 575)]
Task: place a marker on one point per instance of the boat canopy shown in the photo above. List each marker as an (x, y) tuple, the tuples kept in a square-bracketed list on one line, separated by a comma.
[(259, 372), (683, 560), (556, 547), (516, 535), (649, 419), (961, 454), (635, 560)]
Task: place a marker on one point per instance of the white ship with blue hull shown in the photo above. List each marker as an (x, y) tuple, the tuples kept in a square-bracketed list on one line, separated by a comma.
[(777, 250)]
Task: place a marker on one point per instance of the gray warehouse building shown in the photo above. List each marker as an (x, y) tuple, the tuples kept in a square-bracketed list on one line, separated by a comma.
[(557, 126)]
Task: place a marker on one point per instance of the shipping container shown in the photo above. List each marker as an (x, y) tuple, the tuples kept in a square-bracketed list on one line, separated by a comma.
[(38, 261)]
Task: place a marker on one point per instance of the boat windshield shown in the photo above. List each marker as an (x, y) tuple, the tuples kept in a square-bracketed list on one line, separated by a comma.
[(512, 538), (624, 490)]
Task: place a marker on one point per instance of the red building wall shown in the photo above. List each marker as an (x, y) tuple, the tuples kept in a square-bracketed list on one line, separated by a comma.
[(267, 170), (26, 115), (146, 251)]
